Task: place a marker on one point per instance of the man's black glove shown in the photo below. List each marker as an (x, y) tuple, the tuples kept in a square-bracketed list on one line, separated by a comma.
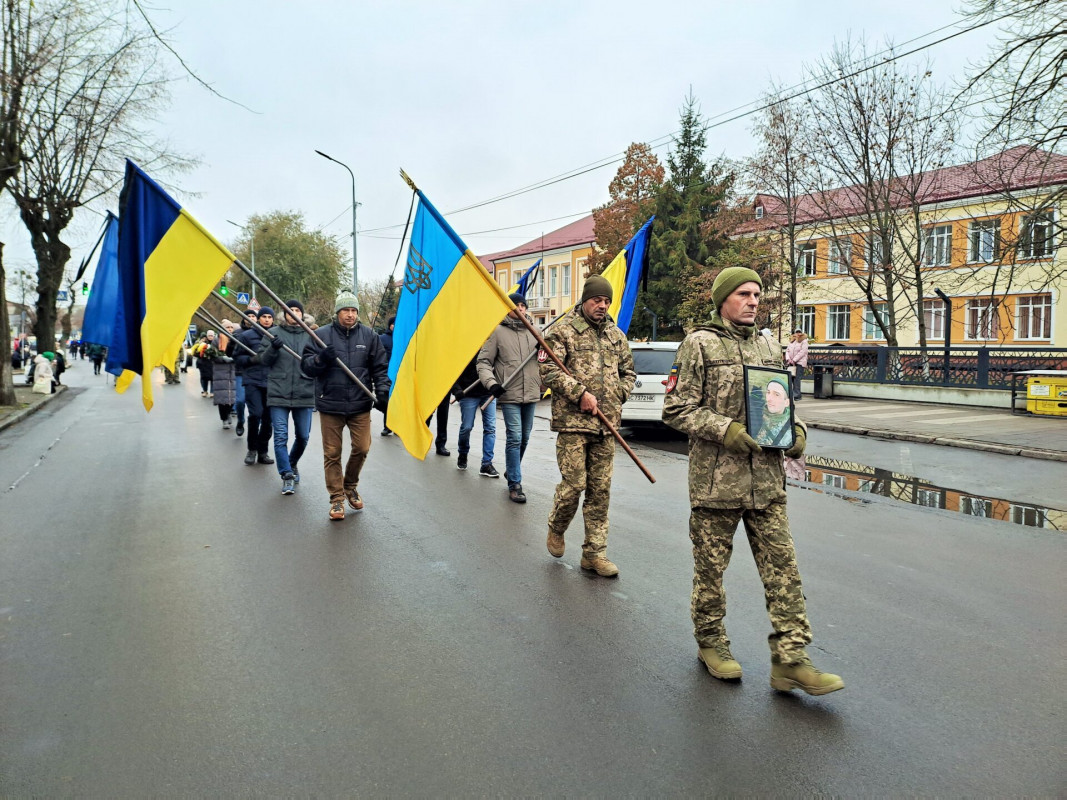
[(328, 355), (382, 404), (277, 343), (496, 390)]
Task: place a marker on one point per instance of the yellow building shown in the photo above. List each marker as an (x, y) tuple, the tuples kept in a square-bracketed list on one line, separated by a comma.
[(988, 236), (559, 282)]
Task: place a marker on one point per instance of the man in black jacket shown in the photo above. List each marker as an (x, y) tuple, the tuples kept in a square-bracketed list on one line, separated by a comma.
[(254, 379), (340, 403)]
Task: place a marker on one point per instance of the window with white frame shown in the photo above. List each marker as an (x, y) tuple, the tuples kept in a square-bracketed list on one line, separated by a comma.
[(934, 316), (984, 238), (553, 286), (566, 280), (1032, 516), (1035, 235), (931, 498), (983, 321), (877, 250), (938, 249), (976, 506), (541, 283), (806, 320), (840, 257), (502, 278), (871, 330), (838, 321), (837, 481), (759, 212), (806, 260), (1033, 317), (865, 485)]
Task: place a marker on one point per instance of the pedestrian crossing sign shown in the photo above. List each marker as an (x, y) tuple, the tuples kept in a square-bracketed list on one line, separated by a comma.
[(242, 298)]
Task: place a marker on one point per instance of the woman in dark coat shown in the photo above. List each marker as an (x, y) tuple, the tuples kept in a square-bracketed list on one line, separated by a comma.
[(204, 363), (224, 379)]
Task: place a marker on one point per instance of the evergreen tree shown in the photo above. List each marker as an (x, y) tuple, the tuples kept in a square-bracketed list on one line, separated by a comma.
[(683, 241)]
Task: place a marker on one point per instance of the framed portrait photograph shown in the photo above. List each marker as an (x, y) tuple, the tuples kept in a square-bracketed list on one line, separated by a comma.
[(769, 407)]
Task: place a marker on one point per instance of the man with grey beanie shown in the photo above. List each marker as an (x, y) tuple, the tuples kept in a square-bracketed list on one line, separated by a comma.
[(340, 403)]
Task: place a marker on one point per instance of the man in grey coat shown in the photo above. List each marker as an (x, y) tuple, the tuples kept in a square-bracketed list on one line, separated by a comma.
[(510, 344), (289, 393)]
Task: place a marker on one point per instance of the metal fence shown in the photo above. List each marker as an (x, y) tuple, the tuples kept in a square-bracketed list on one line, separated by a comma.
[(974, 367)]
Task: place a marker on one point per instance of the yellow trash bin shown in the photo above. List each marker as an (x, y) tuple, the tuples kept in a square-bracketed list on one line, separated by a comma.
[(1047, 395)]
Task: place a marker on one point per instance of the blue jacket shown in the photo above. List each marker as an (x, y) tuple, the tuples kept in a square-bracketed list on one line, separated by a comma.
[(253, 374)]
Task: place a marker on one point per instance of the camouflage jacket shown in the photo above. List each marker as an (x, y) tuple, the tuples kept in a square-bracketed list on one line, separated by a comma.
[(600, 363), (708, 396)]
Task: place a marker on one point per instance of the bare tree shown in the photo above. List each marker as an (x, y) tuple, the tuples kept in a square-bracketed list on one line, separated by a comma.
[(1021, 84), (779, 172), (866, 131), (101, 86)]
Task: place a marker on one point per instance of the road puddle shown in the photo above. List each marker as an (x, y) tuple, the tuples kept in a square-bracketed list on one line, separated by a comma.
[(829, 474)]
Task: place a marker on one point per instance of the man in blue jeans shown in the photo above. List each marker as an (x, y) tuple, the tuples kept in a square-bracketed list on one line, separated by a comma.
[(510, 344), (468, 409), (289, 393)]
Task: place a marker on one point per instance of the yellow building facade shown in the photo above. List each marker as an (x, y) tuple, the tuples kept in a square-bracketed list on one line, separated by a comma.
[(997, 255), (559, 281)]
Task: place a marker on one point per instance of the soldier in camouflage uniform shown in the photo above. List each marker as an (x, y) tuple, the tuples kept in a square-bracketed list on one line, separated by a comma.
[(602, 375), (731, 479)]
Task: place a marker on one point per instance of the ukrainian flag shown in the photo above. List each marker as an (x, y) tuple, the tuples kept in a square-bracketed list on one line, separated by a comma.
[(523, 286), (448, 307), (167, 265), (624, 274)]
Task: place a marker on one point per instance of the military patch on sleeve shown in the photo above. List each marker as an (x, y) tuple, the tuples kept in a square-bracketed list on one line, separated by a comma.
[(672, 379), (542, 356)]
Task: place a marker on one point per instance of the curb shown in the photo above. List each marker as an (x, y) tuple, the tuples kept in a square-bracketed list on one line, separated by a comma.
[(18, 416), (966, 444)]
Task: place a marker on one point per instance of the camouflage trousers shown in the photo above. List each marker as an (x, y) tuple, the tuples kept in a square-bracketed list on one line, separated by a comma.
[(586, 462), (712, 532)]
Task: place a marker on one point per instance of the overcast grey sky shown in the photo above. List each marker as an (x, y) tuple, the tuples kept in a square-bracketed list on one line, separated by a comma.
[(474, 99)]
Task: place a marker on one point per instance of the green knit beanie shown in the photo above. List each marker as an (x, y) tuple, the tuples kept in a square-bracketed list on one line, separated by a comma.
[(728, 280), (597, 286)]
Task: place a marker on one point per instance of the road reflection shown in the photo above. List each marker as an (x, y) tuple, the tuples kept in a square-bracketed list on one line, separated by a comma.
[(829, 474)]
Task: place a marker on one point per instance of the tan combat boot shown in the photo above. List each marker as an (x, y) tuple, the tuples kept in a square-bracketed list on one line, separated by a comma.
[(802, 675), (600, 565), (555, 544), (720, 661)]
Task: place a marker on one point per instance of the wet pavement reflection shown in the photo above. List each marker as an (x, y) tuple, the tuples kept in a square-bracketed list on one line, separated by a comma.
[(832, 475)]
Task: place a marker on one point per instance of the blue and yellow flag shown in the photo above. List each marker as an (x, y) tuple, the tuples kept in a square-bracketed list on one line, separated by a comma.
[(624, 273), (167, 265), (523, 286), (448, 307), (99, 321)]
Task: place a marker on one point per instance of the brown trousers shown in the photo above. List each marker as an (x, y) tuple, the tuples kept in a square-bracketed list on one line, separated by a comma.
[(333, 431)]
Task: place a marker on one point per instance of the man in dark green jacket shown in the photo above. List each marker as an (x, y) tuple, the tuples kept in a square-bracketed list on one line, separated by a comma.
[(289, 393)]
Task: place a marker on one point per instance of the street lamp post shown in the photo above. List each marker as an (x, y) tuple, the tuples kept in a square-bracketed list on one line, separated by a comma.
[(354, 205), (655, 319)]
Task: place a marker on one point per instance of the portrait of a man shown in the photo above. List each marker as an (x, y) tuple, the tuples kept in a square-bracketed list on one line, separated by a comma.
[(769, 407)]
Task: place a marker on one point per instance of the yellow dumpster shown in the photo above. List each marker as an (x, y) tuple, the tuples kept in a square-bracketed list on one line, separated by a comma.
[(1047, 395)]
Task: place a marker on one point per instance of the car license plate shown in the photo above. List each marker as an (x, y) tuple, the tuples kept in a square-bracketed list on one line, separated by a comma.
[(643, 398)]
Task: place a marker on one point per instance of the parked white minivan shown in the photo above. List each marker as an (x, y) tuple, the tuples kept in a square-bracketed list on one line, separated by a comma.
[(652, 362)]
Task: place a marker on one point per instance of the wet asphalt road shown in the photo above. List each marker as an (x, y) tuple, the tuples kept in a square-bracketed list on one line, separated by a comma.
[(171, 625)]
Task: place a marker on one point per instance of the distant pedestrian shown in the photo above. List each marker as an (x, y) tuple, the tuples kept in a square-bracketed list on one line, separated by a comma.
[(796, 359), (732, 479), (340, 403), (254, 378), (387, 342), (587, 342), (223, 376), (290, 393), (43, 382), (97, 353), (508, 346), (468, 410), (204, 364), (60, 366)]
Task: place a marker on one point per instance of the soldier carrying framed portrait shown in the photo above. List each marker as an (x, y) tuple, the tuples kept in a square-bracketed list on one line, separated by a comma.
[(769, 407)]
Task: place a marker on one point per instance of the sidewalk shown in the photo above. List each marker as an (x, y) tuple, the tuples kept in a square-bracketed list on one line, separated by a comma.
[(989, 430), (27, 402)]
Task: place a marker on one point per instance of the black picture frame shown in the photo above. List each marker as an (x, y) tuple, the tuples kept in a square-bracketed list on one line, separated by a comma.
[(770, 433)]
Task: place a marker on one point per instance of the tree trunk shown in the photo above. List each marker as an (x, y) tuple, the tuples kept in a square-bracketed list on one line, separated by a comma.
[(52, 257), (7, 373)]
